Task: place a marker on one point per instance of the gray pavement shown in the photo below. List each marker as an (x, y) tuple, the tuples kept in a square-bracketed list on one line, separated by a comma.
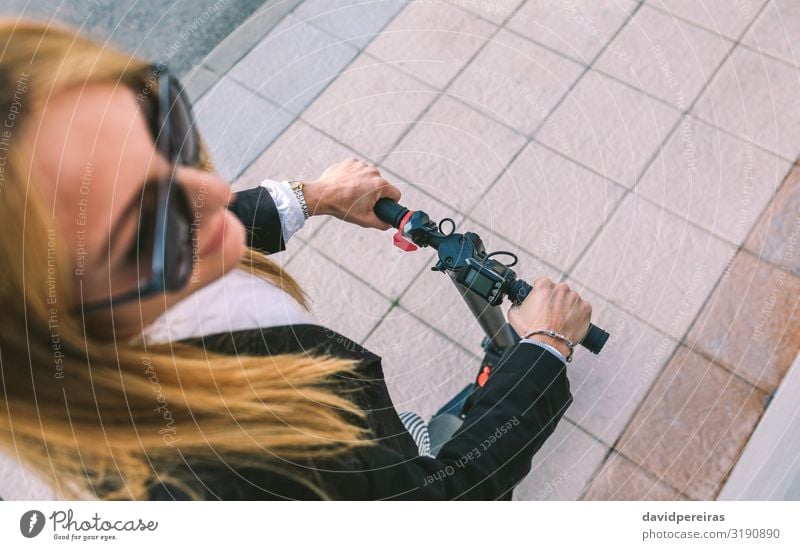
[(179, 32)]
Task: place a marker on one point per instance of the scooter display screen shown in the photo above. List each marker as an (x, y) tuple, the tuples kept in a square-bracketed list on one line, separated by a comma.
[(478, 282)]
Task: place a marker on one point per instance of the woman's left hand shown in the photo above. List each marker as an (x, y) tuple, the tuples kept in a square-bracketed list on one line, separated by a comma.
[(349, 191)]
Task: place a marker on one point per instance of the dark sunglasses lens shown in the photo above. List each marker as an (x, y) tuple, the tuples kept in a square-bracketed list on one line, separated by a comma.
[(145, 236), (134, 254), (178, 259), (184, 142)]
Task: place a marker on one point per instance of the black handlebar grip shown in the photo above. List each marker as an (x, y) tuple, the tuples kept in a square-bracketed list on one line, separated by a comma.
[(594, 340), (390, 212)]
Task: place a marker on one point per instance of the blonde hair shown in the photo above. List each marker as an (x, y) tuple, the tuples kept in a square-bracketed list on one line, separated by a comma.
[(84, 413)]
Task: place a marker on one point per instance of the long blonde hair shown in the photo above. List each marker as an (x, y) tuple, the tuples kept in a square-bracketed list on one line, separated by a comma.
[(107, 419)]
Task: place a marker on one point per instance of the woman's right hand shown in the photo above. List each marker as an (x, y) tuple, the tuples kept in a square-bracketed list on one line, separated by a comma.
[(554, 307), (349, 190)]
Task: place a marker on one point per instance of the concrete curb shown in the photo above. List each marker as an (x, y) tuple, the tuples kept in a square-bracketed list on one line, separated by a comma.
[(768, 468), (235, 46)]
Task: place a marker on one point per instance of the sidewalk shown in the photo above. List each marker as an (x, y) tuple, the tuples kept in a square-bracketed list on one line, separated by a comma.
[(642, 151)]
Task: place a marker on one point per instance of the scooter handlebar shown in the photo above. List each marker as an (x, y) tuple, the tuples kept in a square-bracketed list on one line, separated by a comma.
[(393, 213), (595, 338), (390, 212)]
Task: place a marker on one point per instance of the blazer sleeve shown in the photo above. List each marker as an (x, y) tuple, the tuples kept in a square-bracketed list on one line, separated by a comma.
[(519, 408), (256, 209)]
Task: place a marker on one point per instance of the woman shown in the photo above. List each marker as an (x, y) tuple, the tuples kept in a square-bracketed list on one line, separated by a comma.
[(114, 224)]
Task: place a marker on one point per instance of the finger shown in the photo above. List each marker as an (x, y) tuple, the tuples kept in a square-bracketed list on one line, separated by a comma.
[(392, 192), (370, 219), (376, 223), (543, 282), (584, 335), (389, 191)]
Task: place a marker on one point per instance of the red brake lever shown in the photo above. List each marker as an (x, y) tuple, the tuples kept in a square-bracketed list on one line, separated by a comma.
[(399, 239)]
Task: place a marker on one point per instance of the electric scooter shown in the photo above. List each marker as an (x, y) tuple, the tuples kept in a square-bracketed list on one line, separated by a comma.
[(483, 282)]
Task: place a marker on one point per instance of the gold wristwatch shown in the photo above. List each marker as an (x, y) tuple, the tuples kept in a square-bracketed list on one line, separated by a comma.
[(297, 187)]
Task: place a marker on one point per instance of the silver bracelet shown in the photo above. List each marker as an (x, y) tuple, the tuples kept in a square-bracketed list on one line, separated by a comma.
[(297, 187), (557, 335)]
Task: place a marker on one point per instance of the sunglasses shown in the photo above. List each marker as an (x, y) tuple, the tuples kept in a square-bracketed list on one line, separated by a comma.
[(163, 249)]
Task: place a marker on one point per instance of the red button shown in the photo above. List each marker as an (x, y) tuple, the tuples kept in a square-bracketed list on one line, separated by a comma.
[(484, 375)]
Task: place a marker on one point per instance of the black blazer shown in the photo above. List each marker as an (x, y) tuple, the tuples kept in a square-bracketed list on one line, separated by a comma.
[(516, 411)]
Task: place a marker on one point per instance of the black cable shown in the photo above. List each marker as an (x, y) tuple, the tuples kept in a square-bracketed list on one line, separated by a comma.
[(452, 230), (505, 253)]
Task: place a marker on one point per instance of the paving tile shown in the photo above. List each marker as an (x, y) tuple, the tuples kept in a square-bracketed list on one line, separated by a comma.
[(369, 106), (549, 205), (713, 179), (608, 388), (669, 264), (18, 482), (578, 28), (252, 30), (777, 31), (301, 153), (432, 41), (237, 125), (433, 297), (293, 64), (776, 235), (339, 301), (454, 153), (721, 16), (496, 11), (423, 369), (668, 58), (751, 324), (355, 22), (753, 96), (693, 425), (621, 479), (609, 127), (198, 81), (293, 247), (370, 254), (563, 466), (516, 81)]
